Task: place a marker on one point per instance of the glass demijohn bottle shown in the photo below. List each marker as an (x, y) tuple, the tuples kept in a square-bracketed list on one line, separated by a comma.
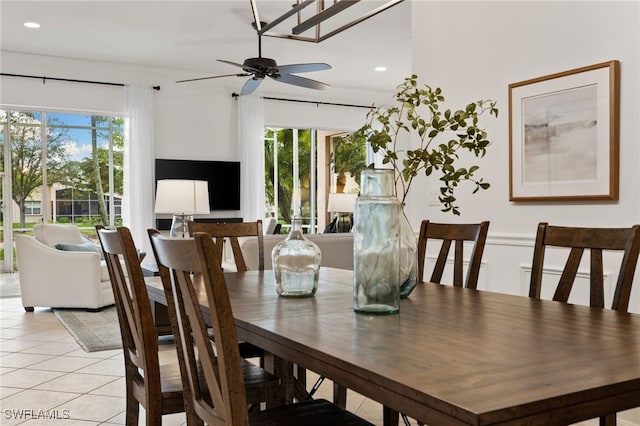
[(296, 263)]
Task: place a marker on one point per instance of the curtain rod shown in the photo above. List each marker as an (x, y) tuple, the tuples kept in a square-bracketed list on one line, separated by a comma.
[(235, 95), (44, 80)]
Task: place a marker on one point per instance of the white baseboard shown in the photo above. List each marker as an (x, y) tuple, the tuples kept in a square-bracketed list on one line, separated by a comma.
[(596, 422)]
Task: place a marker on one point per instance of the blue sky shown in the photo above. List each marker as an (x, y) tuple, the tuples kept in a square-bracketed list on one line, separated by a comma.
[(79, 140), (78, 134)]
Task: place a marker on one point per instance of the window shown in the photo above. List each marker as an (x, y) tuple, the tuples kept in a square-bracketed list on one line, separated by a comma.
[(72, 205), (64, 166), (33, 207)]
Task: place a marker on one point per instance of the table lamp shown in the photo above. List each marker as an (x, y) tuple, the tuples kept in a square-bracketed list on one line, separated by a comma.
[(342, 204), (182, 198)]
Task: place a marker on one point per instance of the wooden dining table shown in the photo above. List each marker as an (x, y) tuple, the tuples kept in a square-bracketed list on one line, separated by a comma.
[(452, 356)]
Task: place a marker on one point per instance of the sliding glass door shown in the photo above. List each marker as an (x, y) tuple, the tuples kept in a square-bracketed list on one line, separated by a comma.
[(290, 175), (303, 166)]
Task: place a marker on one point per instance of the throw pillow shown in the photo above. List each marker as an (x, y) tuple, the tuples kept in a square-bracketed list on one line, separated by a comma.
[(88, 246)]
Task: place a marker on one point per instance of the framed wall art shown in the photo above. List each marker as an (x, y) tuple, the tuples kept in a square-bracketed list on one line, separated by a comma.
[(563, 141)]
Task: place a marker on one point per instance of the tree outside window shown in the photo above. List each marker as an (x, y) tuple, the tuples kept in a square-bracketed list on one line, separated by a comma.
[(348, 158)]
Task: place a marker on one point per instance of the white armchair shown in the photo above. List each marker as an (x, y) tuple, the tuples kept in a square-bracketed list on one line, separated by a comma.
[(61, 279)]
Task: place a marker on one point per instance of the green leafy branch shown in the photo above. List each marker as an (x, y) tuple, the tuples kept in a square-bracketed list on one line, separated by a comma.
[(420, 113)]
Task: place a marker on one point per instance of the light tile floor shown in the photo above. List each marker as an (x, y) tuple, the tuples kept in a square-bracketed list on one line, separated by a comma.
[(45, 373)]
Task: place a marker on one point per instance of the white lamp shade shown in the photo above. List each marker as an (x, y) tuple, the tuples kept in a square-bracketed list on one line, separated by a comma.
[(341, 202), (179, 196)]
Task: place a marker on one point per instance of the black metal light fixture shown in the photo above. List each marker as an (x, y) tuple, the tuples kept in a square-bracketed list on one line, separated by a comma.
[(324, 12)]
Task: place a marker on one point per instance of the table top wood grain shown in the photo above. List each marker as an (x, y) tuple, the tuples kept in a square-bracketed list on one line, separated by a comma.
[(452, 355)]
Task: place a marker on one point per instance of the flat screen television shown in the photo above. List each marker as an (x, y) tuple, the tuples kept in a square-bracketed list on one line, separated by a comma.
[(223, 178)]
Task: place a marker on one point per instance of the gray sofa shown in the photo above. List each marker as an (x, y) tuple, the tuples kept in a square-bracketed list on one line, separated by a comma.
[(336, 250)]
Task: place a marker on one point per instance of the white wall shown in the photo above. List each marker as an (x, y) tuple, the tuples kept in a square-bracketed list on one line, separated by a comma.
[(474, 50)]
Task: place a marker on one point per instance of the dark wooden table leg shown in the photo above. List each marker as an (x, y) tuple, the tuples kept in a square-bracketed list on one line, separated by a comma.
[(284, 370)]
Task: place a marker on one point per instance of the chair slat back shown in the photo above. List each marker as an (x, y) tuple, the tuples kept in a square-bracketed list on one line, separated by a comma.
[(195, 272), (165, 277), (453, 233), (596, 240), (139, 336), (232, 231)]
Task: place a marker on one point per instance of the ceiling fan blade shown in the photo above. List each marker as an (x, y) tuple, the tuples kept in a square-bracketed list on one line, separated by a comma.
[(243, 66), (300, 81), (297, 68), (214, 76), (235, 64), (250, 86)]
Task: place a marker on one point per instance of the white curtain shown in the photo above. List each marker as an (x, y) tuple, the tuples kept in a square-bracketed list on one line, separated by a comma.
[(139, 160), (251, 138)]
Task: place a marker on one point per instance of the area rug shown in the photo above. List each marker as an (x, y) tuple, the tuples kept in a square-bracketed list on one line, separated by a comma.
[(94, 331)]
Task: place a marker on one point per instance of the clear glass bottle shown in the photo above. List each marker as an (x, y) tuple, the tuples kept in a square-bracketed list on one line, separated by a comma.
[(376, 249), (296, 263)]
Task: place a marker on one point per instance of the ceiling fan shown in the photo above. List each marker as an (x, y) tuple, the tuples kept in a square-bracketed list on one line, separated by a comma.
[(259, 68)]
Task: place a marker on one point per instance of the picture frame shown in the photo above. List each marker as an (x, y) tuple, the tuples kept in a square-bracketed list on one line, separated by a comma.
[(564, 135)]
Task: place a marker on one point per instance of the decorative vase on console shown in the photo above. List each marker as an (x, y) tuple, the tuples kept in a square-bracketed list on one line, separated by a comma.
[(296, 263)]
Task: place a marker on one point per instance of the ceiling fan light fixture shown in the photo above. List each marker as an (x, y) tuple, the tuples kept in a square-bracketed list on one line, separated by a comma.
[(260, 67)]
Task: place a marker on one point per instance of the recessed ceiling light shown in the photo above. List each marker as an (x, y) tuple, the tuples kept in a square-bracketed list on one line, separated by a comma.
[(380, 69), (32, 25)]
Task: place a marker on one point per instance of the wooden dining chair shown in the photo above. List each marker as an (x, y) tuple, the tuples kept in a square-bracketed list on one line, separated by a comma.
[(223, 232), (596, 240), (260, 386), (230, 232), (625, 240), (453, 233), (196, 259), (150, 383), (448, 233)]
